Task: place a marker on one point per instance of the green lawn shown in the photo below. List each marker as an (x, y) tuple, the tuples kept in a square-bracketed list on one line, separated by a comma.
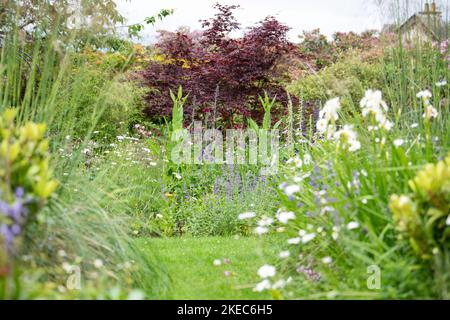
[(189, 262)]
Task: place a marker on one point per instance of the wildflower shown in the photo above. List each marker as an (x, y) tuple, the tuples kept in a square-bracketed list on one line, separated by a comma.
[(347, 138), (284, 254), (426, 94), (308, 237), (353, 225), (261, 230), (159, 216), (322, 126), (441, 83), (285, 216), (265, 222), (373, 103), (267, 271), (294, 241), (430, 112), (307, 159), (227, 273), (386, 125), (291, 190), (414, 125), (263, 285), (399, 142), (177, 175), (217, 262), (246, 216), (404, 211), (280, 284), (327, 260), (330, 110), (328, 116)]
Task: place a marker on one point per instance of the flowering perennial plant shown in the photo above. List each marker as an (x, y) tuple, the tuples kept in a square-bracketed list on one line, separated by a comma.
[(25, 180), (424, 216)]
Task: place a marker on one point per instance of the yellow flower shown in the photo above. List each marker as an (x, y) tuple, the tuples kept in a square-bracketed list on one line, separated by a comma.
[(433, 179), (404, 211)]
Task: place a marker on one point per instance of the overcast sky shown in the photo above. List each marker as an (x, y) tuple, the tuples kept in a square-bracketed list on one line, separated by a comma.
[(328, 15)]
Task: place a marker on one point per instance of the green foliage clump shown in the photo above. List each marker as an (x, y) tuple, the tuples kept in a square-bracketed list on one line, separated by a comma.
[(348, 78)]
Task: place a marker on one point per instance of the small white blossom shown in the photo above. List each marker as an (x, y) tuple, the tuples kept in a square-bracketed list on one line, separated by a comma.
[(308, 237), (347, 137), (291, 190), (177, 175), (285, 216), (399, 142), (294, 241), (426, 94), (267, 271), (284, 254), (440, 84), (353, 225), (217, 262), (327, 260), (246, 215), (265, 222), (261, 230), (263, 285)]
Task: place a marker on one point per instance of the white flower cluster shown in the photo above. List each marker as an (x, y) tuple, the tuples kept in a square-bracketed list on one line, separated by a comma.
[(266, 272), (430, 111), (326, 125), (328, 117), (373, 105), (347, 138)]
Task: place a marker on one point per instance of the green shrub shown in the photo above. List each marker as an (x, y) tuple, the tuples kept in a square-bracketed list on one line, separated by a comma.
[(348, 79)]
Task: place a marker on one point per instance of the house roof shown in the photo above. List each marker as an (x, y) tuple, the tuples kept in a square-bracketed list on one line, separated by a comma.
[(414, 20)]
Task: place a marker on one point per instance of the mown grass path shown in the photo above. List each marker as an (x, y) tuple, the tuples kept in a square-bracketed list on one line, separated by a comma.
[(190, 264)]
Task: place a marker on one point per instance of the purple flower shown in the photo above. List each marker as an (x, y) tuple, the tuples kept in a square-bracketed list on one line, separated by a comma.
[(15, 215)]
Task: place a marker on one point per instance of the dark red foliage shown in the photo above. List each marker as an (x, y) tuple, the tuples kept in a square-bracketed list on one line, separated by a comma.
[(222, 75)]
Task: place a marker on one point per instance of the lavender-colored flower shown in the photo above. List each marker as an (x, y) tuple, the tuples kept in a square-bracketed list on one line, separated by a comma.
[(15, 215)]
